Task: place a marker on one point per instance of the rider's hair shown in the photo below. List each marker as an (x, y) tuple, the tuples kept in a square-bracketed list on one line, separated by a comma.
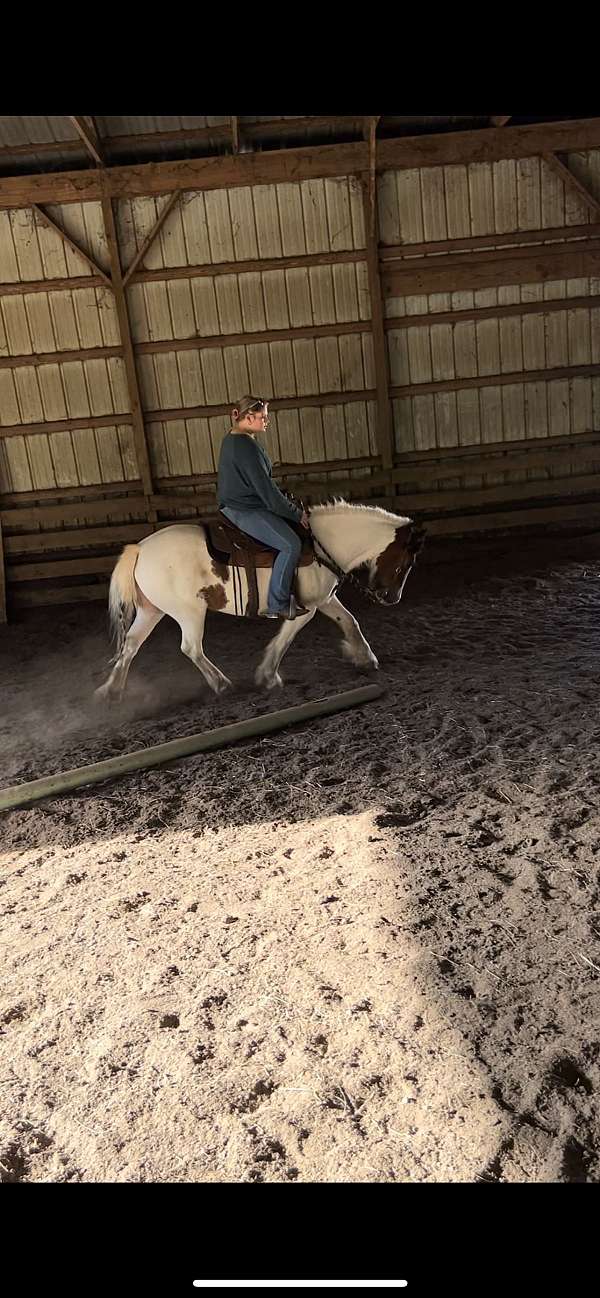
[(245, 405)]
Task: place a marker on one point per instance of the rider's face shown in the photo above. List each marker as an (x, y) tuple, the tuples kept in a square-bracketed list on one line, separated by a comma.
[(258, 420)]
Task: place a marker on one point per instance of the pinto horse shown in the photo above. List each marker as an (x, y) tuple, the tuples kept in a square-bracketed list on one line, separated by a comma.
[(172, 572)]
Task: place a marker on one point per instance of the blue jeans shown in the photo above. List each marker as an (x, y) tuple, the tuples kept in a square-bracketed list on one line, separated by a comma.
[(277, 534)]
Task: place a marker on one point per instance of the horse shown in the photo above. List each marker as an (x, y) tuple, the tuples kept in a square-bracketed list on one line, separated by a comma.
[(172, 572)]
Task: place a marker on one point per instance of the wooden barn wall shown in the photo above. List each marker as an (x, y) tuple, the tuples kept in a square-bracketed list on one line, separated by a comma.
[(270, 222), (266, 289), (495, 199)]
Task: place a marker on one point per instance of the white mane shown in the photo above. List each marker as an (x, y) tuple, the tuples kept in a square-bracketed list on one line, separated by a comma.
[(340, 506), (354, 534)]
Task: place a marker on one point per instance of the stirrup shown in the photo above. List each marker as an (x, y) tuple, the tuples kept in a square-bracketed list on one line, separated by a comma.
[(293, 611)]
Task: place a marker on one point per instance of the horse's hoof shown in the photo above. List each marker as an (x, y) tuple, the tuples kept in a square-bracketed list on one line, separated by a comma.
[(365, 665), (223, 685), (274, 682), (103, 694), (369, 664)]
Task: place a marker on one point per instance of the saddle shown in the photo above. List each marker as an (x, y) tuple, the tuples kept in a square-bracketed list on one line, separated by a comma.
[(228, 545)]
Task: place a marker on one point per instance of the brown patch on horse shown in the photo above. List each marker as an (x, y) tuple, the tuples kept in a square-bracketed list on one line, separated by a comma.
[(215, 596), (396, 561), (408, 541), (389, 559), (220, 570)]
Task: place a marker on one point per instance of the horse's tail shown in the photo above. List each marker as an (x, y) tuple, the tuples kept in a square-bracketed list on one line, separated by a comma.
[(122, 600)]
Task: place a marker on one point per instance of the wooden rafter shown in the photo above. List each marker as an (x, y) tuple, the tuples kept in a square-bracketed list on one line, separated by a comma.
[(552, 253), (66, 425), (88, 134), (271, 166), (149, 240), (211, 269), (14, 288), (572, 181), (137, 417), (543, 236), (527, 265), (66, 238), (201, 137), (197, 137), (552, 240), (25, 359)]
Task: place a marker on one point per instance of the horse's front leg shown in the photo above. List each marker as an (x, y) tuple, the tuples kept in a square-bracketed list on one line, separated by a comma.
[(267, 673), (354, 645)]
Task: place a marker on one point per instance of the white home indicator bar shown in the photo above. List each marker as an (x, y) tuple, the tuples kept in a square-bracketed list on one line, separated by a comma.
[(300, 1284)]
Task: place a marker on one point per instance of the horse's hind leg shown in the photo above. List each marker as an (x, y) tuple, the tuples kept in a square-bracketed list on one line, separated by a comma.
[(354, 645), (192, 622), (267, 671), (146, 618)]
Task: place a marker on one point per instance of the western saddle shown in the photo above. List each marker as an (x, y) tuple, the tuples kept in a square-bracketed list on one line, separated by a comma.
[(229, 546)]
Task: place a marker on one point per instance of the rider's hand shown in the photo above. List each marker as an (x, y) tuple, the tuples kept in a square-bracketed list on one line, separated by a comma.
[(304, 520)]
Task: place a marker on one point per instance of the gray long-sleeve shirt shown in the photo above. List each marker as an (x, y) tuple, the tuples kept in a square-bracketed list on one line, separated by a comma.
[(245, 481)]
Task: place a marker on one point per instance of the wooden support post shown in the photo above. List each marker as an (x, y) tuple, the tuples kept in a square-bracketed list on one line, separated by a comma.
[(149, 240), (88, 134), (139, 431), (2, 581), (565, 173), (66, 238), (235, 133), (370, 133), (385, 422)]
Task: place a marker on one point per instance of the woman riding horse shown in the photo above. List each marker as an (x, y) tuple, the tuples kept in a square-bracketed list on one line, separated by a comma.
[(249, 498)]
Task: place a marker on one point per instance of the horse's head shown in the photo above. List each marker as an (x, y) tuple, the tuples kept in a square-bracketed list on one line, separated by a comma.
[(391, 568)]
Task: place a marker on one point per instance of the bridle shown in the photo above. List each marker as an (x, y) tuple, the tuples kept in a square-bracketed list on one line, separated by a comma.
[(334, 567)]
